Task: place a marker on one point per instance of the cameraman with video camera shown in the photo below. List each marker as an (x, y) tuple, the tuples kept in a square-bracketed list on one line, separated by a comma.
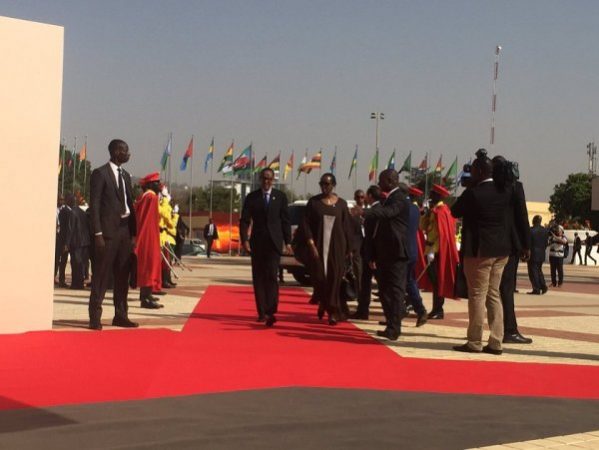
[(506, 175), (486, 208)]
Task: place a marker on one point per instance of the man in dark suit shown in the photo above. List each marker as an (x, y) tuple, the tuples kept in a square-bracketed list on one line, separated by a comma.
[(265, 209), (114, 228), (576, 249), (79, 240), (539, 237), (391, 251), (520, 240), (210, 234), (373, 198), (486, 240), (62, 243)]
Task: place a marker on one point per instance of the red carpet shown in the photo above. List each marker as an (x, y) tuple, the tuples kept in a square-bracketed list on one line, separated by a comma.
[(222, 348)]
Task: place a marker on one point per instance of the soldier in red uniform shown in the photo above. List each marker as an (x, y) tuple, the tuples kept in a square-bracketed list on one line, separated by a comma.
[(149, 262)]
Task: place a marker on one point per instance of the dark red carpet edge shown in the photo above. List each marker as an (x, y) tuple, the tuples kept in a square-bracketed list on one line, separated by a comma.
[(222, 348)]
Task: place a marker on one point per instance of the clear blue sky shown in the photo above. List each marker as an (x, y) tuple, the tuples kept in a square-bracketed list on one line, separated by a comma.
[(307, 74)]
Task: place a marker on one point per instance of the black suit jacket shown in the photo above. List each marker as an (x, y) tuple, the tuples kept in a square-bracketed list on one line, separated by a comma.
[(518, 218), (390, 234), (268, 224), (539, 236), (207, 229), (64, 221), (487, 228), (356, 237), (105, 205), (79, 236)]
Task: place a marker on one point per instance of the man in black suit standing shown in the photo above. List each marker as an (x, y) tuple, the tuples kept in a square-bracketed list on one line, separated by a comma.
[(576, 249), (79, 240), (210, 234), (114, 228), (391, 251), (503, 175), (539, 237), (265, 209), (486, 241), (62, 243)]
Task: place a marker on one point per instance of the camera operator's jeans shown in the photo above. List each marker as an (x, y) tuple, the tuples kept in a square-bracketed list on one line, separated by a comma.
[(556, 264)]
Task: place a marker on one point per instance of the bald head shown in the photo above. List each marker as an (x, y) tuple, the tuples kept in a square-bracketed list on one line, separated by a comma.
[(388, 180)]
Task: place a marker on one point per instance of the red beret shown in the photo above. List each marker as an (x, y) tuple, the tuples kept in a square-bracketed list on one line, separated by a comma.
[(441, 190), (415, 192), (149, 178)]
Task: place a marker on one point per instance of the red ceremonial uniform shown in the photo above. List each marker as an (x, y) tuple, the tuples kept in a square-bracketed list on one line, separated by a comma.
[(448, 252), (149, 261)]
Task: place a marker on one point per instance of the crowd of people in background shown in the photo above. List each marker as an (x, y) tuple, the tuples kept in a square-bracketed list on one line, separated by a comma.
[(391, 234)]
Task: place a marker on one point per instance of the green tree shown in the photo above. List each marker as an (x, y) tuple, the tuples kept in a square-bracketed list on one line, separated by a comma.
[(571, 200)]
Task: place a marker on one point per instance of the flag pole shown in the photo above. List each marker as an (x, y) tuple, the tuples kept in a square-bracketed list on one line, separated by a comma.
[(231, 215), (293, 159), (170, 157), (211, 176), (191, 187), (63, 168), (74, 164), (85, 168)]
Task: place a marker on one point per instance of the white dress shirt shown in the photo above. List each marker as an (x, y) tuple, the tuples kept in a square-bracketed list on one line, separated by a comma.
[(115, 170)]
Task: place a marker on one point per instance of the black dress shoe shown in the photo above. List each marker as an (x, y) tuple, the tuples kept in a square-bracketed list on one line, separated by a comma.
[(436, 315), (535, 292), (422, 319), (149, 304), (125, 323), (95, 326), (383, 323), (270, 321), (465, 348), (63, 285), (388, 335), (332, 321), (359, 316), (544, 290), (260, 319), (491, 351), (516, 338), (313, 301)]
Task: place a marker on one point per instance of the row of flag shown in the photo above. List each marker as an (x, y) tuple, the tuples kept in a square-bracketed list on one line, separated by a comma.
[(245, 162), (72, 156)]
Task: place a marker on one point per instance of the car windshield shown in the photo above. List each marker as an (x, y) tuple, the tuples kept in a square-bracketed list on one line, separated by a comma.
[(296, 213)]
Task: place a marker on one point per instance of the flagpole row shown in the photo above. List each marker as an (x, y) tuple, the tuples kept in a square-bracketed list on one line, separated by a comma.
[(74, 164)]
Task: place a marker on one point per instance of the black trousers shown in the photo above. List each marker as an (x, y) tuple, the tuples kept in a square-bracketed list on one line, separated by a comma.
[(115, 260), (432, 271), (574, 253), (392, 277), (265, 271), (209, 242), (535, 275), (77, 267), (365, 288), (60, 262), (412, 290), (506, 290), (587, 255), (556, 265)]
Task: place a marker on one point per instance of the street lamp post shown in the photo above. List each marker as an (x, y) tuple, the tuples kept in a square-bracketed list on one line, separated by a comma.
[(377, 116)]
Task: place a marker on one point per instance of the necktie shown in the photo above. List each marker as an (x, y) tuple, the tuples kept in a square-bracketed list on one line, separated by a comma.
[(266, 199), (122, 191)]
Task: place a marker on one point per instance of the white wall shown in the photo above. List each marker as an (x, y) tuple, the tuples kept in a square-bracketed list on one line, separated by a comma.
[(30, 102)]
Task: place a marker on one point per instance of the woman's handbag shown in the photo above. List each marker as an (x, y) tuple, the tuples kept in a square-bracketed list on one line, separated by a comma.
[(348, 284)]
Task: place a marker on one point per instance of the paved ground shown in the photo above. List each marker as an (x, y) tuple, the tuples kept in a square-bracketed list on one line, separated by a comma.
[(563, 323)]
